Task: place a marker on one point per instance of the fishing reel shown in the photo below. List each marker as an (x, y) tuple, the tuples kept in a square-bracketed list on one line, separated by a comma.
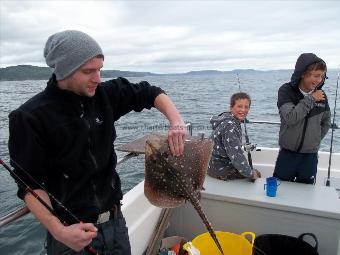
[(248, 147)]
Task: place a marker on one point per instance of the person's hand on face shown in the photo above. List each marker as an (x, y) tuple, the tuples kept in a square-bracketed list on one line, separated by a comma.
[(318, 95)]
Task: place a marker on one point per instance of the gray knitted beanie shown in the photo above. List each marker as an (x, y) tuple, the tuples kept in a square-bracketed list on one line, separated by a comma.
[(66, 51)]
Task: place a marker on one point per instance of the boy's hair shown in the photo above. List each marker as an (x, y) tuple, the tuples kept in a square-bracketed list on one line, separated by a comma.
[(237, 96), (320, 65)]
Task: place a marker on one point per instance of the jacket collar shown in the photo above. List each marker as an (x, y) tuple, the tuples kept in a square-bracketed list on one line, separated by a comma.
[(52, 88)]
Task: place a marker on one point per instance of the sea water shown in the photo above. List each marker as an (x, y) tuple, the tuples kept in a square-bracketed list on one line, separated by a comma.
[(197, 97)]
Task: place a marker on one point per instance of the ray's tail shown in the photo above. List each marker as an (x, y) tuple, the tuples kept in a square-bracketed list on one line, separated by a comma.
[(196, 204)]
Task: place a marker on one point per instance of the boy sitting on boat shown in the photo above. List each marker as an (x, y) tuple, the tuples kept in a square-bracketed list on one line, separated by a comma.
[(227, 159)]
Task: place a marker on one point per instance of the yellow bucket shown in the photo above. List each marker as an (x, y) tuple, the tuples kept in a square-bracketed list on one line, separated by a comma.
[(232, 244)]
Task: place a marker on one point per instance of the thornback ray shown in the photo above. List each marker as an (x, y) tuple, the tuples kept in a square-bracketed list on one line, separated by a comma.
[(170, 181)]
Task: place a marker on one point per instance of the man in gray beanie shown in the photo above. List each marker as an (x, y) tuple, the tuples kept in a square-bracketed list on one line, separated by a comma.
[(64, 138), (67, 51)]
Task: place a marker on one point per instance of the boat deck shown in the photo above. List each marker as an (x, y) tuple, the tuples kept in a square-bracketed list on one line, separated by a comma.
[(295, 197), (238, 206)]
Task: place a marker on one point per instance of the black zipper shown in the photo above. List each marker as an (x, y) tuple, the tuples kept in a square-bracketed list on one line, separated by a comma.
[(89, 122)]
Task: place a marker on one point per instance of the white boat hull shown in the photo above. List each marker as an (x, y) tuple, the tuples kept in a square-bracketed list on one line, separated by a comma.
[(238, 206)]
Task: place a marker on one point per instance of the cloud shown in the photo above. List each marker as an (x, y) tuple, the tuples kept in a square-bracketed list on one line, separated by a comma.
[(177, 36)]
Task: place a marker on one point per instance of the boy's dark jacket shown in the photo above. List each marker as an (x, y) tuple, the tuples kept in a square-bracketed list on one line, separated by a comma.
[(66, 142), (297, 110)]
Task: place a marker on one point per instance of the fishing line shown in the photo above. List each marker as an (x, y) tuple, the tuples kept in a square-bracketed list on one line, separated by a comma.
[(333, 127), (47, 206)]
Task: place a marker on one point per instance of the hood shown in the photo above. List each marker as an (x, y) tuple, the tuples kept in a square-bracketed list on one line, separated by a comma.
[(303, 61), (216, 120)]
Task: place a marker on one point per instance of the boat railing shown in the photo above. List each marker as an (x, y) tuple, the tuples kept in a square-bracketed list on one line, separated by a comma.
[(333, 126), (23, 210)]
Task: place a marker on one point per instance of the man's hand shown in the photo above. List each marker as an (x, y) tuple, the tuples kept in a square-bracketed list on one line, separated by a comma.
[(178, 130), (76, 236), (318, 95), (176, 137)]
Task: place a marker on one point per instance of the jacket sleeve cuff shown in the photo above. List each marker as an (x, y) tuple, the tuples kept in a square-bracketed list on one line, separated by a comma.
[(311, 99)]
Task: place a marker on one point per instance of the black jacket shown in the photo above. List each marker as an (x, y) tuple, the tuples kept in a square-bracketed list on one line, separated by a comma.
[(65, 142)]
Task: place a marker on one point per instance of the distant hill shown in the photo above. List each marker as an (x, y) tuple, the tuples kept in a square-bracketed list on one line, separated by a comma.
[(204, 72), (245, 70), (28, 72), (216, 72), (118, 73), (24, 72)]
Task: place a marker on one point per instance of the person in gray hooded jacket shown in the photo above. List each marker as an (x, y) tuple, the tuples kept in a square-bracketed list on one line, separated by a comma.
[(305, 120), (227, 161)]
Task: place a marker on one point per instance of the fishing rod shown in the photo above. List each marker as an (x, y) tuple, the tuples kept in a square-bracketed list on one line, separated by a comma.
[(29, 189), (248, 147), (333, 127), (47, 206), (238, 82)]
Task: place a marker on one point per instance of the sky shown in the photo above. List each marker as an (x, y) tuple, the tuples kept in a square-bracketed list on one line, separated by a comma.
[(177, 36)]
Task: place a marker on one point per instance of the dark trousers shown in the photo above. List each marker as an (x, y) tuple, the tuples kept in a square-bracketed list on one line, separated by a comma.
[(112, 239), (296, 167)]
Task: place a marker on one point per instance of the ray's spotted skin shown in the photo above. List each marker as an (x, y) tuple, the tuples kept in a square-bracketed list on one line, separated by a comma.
[(170, 181)]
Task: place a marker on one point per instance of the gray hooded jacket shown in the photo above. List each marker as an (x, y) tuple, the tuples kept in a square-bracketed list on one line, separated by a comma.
[(304, 123), (227, 154)]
